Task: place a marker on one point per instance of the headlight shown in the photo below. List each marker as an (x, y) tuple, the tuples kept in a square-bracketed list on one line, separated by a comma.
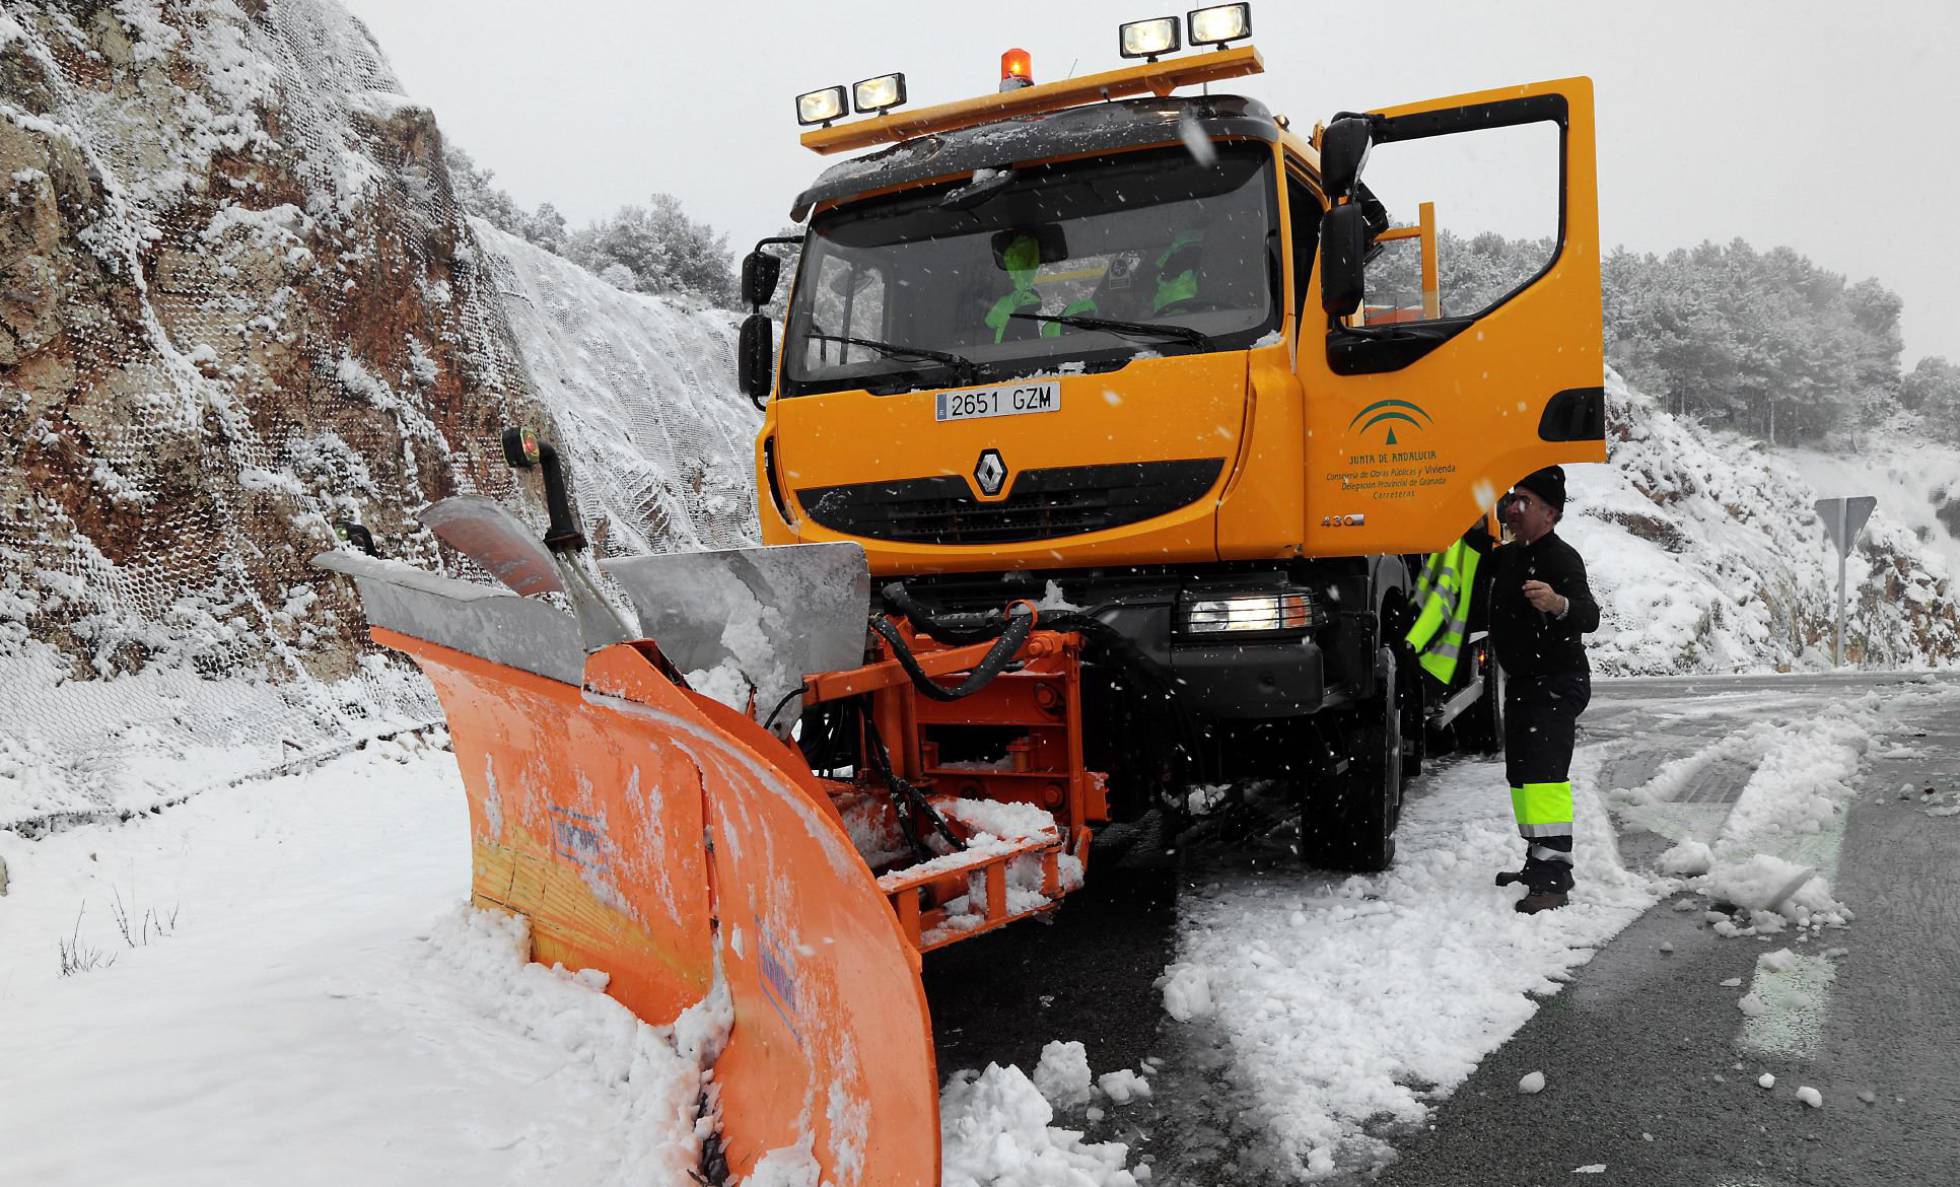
[(820, 107), (1147, 39), (878, 94), (1245, 613), (1218, 25)]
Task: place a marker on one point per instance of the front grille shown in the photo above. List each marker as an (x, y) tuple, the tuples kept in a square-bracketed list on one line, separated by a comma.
[(1041, 504)]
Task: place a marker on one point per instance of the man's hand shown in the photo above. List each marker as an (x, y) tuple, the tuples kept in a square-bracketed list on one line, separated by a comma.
[(1542, 597)]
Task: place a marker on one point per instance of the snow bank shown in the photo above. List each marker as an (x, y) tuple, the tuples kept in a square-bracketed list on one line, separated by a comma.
[(1339, 1002), (312, 1000), (1774, 856), (994, 1129)]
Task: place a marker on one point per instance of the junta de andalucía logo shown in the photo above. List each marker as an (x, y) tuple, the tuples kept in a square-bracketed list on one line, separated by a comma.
[(1388, 412)]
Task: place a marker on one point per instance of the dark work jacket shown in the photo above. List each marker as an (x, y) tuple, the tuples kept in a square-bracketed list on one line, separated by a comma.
[(1531, 642)]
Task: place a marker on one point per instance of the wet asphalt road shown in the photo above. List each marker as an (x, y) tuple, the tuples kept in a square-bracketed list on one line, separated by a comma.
[(1640, 1051)]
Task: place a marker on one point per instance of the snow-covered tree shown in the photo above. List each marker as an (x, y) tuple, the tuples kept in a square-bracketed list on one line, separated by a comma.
[(475, 191), (1932, 389), (669, 252)]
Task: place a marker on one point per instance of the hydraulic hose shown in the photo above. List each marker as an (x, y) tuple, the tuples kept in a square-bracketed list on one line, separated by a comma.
[(956, 629), (1020, 621), (952, 629)]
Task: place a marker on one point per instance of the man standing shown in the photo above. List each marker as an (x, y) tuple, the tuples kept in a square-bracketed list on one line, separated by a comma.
[(1539, 609)]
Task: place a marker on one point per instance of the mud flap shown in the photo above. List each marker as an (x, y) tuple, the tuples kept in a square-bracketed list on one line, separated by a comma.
[(643, 830)]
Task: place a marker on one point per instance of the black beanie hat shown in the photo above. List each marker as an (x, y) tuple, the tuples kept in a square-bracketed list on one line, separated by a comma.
[(1548, 484)]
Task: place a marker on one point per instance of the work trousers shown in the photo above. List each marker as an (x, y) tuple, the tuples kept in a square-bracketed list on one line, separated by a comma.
[(1541, 715)]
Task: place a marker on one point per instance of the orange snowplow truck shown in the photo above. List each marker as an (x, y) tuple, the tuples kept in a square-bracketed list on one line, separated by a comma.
[(1139, 413), (1162, 359)]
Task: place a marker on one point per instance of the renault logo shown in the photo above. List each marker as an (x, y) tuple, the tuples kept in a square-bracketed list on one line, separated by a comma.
[(990, 472)]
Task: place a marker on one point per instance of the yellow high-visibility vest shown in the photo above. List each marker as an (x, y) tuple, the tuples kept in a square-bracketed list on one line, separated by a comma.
[(1443, 594)]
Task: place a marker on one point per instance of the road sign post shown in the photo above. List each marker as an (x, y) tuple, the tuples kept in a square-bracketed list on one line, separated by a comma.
[(1843, 520)]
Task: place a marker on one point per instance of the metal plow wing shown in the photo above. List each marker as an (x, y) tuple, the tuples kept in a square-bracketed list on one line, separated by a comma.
[(774, 614), (652, 833)]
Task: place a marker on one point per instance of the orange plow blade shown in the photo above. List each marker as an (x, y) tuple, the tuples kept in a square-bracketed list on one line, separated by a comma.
[(659, 836)]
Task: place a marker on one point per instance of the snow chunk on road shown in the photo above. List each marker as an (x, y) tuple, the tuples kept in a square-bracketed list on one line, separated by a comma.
[(1062, 1076), (1123, 1085), (1766, 1080), (1187, 992), (993, 1128), (1532, 1084), (1687, 859), (1762, 882), (1811, 1097)]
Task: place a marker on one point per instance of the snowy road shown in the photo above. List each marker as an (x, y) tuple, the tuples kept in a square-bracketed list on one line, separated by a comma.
[(294, 994), (1346, 1017)]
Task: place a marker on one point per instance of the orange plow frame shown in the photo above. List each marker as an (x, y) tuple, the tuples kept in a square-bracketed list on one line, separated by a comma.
[(657, 835), (647, 831)]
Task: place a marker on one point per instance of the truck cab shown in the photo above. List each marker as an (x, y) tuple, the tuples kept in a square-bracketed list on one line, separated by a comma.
[(1080, 343)]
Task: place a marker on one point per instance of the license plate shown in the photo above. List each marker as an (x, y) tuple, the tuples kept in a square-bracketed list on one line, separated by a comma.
[(1021, 400)]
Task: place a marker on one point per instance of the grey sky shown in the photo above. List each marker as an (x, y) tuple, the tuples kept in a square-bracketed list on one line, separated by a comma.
[(1818, 125)]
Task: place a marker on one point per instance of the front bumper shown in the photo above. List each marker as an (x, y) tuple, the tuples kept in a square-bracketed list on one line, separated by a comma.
[(1260, 677)]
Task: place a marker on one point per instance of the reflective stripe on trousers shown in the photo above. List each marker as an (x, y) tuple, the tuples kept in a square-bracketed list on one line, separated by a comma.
[(1541, 720)]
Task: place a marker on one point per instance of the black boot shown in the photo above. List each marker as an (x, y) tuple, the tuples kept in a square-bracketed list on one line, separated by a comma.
[(1540, 900)]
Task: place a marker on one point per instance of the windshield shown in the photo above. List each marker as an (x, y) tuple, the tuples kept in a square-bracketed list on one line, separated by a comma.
[(1083, 264)]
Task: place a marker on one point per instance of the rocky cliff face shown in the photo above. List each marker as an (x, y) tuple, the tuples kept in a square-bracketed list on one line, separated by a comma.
[(236, 305)]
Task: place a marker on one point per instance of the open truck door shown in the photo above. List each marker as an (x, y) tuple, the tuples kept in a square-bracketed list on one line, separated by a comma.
[(1443, 362)]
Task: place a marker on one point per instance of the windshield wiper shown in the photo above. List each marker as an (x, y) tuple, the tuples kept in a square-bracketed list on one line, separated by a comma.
[(1135, 329), (962, 366)]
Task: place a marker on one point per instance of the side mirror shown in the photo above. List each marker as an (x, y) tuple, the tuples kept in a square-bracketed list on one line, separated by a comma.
[(760, 272), (1343, 259), (1344, 149), (754, 354)]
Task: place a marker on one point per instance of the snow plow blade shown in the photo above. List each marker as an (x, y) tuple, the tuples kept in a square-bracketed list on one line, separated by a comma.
[(665, 839)]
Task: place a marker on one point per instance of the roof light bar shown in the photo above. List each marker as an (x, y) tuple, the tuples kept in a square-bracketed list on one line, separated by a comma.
[(1148, 39), (821, 107), (1219, 25), (879, 94)]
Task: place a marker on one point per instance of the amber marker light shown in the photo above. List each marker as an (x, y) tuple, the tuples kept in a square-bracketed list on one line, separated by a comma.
[(1016, 70)]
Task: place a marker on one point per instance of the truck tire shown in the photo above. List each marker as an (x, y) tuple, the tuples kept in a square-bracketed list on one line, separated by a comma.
[(1480, 728), (1357, 826), (1415, 714)]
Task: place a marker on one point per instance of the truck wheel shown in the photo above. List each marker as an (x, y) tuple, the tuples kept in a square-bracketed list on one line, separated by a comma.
[(1358, 829), (1415, 714)]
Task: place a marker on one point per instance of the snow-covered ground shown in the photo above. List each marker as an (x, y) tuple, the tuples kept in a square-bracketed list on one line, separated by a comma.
[(1910, 476), (1706, 555), (642, 389), (303, 995)]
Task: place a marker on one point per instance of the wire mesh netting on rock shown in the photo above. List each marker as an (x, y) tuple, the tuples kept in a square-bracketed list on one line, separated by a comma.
[(238, 305)]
